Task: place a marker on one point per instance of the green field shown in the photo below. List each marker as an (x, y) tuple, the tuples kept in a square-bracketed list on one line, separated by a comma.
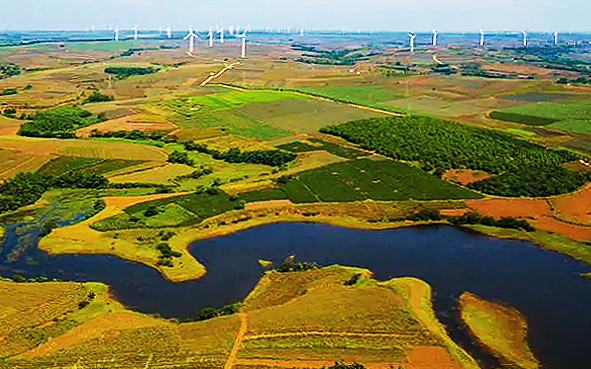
[(335, 149), (360, 180), (175, 211), (574, 116), (67, 164), (373, 95)]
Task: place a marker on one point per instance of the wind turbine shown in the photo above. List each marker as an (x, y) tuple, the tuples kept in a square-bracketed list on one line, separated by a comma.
[(221, 32), (231, 30), (412, 42), (435, 38), (302, 32), (524, 37), (210, 37), (168, 32), (243, 36), (116, 33), (481, 38), (555, 38), (135, 28), (191, 37)]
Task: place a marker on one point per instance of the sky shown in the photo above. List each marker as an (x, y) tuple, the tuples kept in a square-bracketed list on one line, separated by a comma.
[(384, 15)]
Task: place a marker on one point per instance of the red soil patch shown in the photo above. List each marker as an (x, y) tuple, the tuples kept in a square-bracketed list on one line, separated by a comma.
[(575, 207), (575, 232), (430, 357), (9, 131), (124, 124), (518, 69), (465, 176), (517, 207)]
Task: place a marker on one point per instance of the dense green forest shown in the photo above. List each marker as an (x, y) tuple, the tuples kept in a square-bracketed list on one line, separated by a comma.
[(25, 188), (530, 120), (519, 168), (57, 122), (274, 158), (124, 72), (135, 135)]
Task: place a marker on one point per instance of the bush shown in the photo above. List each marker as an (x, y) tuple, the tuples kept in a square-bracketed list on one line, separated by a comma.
[(180, 157), (151, 211), (353, 280), (290, 265), (96, 97), (425, 215)]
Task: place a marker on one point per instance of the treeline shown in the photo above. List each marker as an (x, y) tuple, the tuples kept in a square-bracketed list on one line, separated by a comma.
[(504, 222), (210, 312), (25, 188), (8, 91), (274, 158), (530, 120), (124, 72), (312, 55), (135, 135), (57, 122), (290, 265), (575, 81), (520, 168)]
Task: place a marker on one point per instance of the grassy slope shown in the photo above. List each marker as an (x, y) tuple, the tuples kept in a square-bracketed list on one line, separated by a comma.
[(501, 329)]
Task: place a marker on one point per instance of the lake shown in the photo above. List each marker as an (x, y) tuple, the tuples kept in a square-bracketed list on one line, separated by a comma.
[(543, 285)]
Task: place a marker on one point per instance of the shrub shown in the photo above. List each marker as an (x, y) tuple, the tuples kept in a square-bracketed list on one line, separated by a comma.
[(180, 157), (96, 97), (151, 211)]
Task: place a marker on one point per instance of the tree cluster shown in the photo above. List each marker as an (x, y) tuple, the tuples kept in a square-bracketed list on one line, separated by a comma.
[(574, 81), (135, 135), (505, 222), (274, 158), (96, 97), (9, 70), (180, 157), (57, 122), (519, 167), (8, 91), (25, 187), (124, 72), (290, 265)]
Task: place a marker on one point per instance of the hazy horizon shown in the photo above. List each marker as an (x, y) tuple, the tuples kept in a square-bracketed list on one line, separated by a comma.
[(379, 15)]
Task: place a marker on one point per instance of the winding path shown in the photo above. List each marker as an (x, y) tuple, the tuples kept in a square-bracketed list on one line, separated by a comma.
[(232, 359)]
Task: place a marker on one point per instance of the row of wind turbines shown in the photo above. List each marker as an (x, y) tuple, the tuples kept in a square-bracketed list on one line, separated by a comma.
[(412, 37), (192, 36)]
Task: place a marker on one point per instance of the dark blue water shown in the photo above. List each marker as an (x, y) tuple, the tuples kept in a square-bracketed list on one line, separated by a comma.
[(543, 285)]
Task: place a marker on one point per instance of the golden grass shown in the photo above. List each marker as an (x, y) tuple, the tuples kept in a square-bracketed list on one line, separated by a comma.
[(12, 162), (80, 238), (137, 122), (501, 329), (162, 174)]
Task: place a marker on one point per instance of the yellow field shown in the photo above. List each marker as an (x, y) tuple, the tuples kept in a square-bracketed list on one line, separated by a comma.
[(12, 162), (501, 329), (83, 148)]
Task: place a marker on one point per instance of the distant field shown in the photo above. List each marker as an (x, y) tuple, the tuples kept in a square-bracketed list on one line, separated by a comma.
[(159, 174), (304, 115), (65, 164), (572, 116), (362, 179), (372, 95), (315, 144)]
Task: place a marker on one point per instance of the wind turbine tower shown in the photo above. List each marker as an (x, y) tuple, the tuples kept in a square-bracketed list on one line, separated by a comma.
[(243, 53), (210, 37), (555, 38), (524, 38), (116, 33), (231, 30), (135, 28), (435, 38), (191, 37), (412, 42), (168, 32), (221, 32), (481, 38), (302, 32)]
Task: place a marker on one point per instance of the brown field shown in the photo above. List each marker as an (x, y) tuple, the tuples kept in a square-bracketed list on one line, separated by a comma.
[(575, 232), (501, 329), (266, 204), (516, 207), (430, 357), (465, 176), (522, 69), (575, 207), (126, 124)]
